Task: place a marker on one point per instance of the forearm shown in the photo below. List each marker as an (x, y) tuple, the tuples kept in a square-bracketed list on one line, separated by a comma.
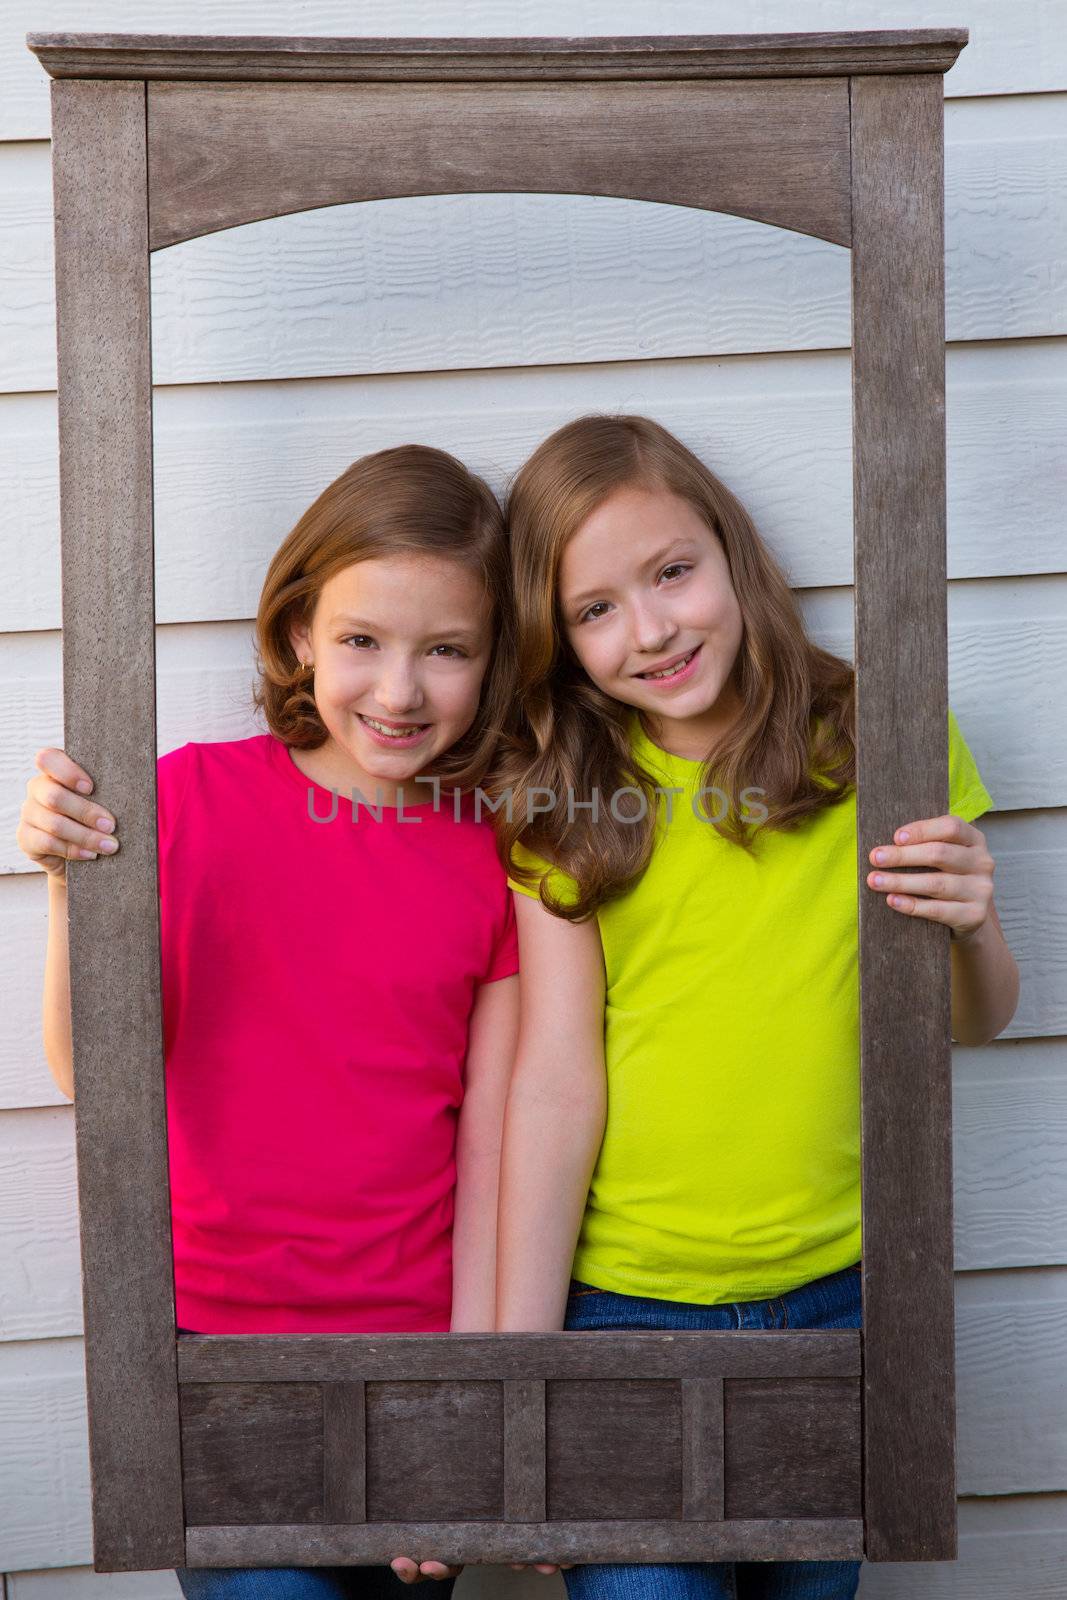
[(551, 1142), (985, 984), (474, 1233), (55, 1014)]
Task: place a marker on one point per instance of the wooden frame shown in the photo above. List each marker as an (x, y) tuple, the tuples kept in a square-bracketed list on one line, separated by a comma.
[(534, 1437)]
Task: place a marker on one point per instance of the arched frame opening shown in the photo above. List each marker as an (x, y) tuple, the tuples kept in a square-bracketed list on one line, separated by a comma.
[(839, 136)]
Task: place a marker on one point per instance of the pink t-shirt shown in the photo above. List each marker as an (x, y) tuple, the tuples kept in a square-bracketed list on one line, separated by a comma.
[(318, 981)]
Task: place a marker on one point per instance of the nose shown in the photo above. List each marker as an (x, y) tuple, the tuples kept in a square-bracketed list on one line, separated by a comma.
[(398, 690), (652, 628)]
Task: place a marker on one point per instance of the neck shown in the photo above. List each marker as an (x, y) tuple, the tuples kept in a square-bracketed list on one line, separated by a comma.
[(695, 738), (334, 768)]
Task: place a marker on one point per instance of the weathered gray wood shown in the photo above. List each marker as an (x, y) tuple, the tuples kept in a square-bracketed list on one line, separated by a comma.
[(435, 1445), (702, 1450), (806, 1539), (220, 155), (524, 1451), (901, 656), (344, 1446), (739, 55), (613, 1449), (252, 1452), (105, 432), (792, 1444), (304, 1358), (435, 1452)]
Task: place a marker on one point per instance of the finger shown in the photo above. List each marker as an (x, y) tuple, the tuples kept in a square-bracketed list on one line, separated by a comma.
[(952, 829), (954, 914), (54, 796), (63, 829), (405, 1569), (437, 1569), (924, 885), (42, 847), (934, 853), (59, 765)]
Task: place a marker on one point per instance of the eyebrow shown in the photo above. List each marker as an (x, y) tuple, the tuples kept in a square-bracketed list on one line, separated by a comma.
[(346, 621), (653, 561)]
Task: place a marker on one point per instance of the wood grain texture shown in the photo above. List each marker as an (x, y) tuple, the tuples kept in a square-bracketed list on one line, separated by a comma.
[(613, 1450), (479, 281), (471, 1357), (702, 1449), (221, 155), (902, 684), (252, 1452), (792, 1443), (1014, 51), (1015, 1546), (524, 1450), (1011, 1328), (738, 55), (435, 1452), (807, 1539), (236, 465), (105, 432), (344, 1447)]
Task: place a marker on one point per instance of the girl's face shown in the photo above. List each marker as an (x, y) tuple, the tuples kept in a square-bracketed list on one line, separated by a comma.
[(400, 646), (645, 590)]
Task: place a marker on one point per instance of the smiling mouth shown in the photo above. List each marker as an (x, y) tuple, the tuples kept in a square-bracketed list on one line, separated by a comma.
[(396, 730), (675, 668)]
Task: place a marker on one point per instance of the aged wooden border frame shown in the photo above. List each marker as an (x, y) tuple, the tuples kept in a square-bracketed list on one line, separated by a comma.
[(839, 135)]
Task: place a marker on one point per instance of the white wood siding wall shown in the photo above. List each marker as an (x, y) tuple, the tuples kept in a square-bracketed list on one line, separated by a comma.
[(286, 348)]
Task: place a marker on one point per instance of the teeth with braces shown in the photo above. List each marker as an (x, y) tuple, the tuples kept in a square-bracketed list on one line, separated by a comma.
[(670, 672), (394, 733)]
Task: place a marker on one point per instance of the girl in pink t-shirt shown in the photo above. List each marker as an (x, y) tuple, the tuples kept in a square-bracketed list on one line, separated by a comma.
[(338, 941)]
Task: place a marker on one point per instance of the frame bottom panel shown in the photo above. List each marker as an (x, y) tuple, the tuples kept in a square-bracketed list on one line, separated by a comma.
[(802, 1539)]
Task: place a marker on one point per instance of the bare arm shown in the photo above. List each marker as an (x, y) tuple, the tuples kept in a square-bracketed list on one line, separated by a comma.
[(55, 1012), (985, 983), (491, 1051), (956, 888), (57, 825), (555, 1116)]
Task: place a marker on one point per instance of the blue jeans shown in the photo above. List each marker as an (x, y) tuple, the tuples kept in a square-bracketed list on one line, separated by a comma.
[(299, 1583), (832, 1302)]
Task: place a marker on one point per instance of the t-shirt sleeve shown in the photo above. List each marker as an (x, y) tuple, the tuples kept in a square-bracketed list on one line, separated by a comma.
[(562, 886), (968, 796), (505, 960), (172, 781)]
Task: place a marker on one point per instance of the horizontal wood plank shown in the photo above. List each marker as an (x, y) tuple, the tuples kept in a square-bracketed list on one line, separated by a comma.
[(303, 1358), (805, 1539), (1013, 50), (1011, 1331), (162, 57), (406, 285), (235, 466), (1016, 1546), (221, 155)]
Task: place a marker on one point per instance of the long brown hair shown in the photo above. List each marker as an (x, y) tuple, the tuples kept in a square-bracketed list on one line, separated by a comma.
[(410, 499), (794, 738)]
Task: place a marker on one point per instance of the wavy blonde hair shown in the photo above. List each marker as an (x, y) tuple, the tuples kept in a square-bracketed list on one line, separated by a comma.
[(410, 499), (794, 739)]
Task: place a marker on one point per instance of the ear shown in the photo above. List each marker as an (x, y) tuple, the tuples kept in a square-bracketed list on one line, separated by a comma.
[(300, 639)]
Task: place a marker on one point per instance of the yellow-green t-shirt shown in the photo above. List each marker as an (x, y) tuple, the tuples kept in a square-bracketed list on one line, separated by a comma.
[(730, 1166)]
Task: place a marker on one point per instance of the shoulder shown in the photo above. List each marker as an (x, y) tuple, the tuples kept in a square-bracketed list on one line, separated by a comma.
[(968, 796), (535, 871), (196, 769)]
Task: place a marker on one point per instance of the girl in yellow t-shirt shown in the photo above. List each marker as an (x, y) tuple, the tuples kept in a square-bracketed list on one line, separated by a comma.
[(682, 838)]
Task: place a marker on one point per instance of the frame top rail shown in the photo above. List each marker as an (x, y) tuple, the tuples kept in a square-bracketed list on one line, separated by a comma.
[(741, 55)]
